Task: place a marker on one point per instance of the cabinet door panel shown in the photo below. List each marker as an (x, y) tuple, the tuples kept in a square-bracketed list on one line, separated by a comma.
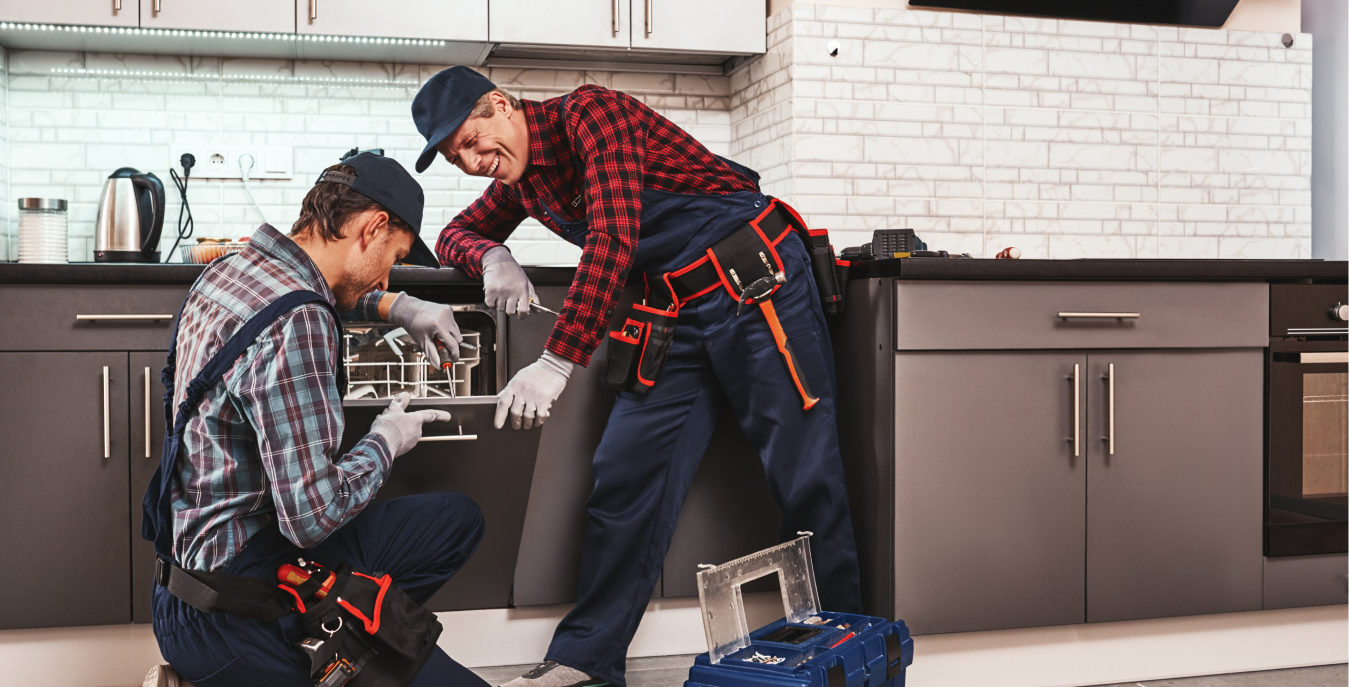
[(989, 499), (82, 12), (144, 367), (63, 504), (721, 26), (1174, 516), (462, 20), (267, 16), (590, 23)]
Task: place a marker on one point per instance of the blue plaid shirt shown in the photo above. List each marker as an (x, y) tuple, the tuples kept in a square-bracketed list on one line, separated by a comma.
[(262, 446)]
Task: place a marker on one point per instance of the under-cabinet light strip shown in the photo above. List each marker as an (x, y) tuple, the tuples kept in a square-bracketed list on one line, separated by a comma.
[(231, 35), (118, 73)]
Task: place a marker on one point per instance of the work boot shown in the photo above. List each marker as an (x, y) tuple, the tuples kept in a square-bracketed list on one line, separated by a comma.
[(554, 674), (164, 676)]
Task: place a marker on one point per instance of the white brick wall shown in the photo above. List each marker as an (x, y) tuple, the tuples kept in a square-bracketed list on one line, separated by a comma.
[(1067, 139), (67, 132)]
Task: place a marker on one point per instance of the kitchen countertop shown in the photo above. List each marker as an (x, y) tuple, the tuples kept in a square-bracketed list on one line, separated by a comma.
[(1103, 270), (908, 268)]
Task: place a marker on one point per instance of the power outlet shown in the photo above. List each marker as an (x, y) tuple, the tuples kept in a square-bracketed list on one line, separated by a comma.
[(229, 162)]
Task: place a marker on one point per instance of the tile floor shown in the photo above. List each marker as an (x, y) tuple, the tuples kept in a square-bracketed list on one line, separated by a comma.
[(671, 671)]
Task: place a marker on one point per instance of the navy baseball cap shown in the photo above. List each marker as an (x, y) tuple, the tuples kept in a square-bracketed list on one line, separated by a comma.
[(384, 181), (442, 106)]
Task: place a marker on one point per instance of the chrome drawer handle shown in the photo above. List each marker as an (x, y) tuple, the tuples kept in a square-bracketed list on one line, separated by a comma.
[(1077, 412), (107, 423), (1322, 358), (147, 412), (453, 437), (96, 318), (1101, 315), (1110, 379)]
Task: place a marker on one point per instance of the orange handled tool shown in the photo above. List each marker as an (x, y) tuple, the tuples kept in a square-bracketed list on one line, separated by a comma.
[(295, 576), (808, 400)]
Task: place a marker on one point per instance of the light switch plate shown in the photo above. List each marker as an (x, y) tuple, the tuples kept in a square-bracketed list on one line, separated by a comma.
[(228, 162)]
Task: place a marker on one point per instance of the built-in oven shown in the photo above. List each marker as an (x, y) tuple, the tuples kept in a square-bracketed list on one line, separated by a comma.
[(1307, 434)]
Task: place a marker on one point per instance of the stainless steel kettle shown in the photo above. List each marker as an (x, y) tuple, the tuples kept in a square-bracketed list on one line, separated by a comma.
[(130, 218)]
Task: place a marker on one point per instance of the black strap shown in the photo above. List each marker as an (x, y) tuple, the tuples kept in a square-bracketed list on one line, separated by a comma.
[(242, 597), (705, 275)]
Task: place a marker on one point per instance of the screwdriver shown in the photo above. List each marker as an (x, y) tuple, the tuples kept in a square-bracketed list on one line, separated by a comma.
[(535, 305), (444, 353)]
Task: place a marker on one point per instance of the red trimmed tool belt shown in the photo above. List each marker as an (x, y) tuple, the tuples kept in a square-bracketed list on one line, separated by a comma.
[(639, 346)]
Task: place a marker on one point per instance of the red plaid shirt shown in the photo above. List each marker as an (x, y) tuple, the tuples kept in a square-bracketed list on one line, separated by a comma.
[(624, 147)]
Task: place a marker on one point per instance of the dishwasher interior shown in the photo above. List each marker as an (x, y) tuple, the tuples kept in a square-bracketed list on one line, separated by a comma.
[(382, 361)]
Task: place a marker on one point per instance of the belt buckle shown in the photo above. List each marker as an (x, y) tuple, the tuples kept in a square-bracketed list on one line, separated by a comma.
[(162, 570)]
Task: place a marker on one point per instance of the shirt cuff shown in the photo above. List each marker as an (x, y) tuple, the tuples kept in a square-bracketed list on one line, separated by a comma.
[(568, 348), (367, 309)]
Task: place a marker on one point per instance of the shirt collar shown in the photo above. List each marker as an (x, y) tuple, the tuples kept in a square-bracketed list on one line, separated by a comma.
[(540, 133), (278, 248)]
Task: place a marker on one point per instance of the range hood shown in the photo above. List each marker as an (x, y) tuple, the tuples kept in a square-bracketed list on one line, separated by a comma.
[(1204, 13)]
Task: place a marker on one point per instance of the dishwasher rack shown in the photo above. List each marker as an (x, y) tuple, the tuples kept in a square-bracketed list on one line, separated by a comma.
[(382, 361)]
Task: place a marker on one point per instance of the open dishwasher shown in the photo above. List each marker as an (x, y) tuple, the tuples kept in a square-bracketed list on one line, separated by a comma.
[(493, 467)]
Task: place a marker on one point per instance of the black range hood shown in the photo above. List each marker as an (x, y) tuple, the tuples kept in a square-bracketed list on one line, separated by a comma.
[(1206, 13)]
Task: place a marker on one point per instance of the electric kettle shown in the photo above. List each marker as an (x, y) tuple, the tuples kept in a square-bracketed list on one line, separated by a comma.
[(130, 218)]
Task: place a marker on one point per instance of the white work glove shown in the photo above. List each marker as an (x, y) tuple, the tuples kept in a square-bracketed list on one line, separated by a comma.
[(426, 322), (402, 430), (532, 391), (504, 283)]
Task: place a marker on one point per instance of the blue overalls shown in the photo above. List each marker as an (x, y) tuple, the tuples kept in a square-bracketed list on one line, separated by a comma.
[(653, 443), (421, 541)]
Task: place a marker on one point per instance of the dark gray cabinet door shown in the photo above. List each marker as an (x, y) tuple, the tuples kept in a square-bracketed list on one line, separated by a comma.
[(989, 498), (1174, 516), (147, 443), (63, 498)]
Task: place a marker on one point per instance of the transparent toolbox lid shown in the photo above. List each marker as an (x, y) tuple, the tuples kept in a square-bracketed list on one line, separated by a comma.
[(724, 607)]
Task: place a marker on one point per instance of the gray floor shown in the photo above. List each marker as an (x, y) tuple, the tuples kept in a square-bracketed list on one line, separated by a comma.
[(671, 671)]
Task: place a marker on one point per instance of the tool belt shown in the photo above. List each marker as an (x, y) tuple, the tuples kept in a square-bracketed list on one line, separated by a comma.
[(363, 631), (639, 346)]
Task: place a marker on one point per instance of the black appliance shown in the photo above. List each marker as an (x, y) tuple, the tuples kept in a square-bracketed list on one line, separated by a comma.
[(1212, 13), (1306, 430)]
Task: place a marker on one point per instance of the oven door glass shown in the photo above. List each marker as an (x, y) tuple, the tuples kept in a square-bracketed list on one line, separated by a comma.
[(1308, 434)]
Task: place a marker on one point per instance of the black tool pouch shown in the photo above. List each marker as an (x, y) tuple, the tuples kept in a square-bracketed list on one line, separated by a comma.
[(369, 632), (638, 349), (830, 276)]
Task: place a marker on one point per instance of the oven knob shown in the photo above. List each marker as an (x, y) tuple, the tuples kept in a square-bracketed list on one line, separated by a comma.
[(1340, 312)]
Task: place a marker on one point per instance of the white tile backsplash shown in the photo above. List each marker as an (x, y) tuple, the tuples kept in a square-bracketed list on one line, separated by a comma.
[(1074, 139)]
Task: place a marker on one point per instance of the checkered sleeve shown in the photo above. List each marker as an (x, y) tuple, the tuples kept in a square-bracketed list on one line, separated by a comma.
[(607, 133), (482, 226), (288, 393)]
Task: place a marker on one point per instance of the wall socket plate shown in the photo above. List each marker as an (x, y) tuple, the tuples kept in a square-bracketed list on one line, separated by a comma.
[(223, 162)]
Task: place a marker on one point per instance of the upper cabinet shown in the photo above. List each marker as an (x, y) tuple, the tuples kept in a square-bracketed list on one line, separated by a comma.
[(590, 23), (265, 16), (85, 12), (454, 20), (721, 26)]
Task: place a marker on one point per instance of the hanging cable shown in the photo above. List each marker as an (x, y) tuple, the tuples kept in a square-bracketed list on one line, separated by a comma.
[(184, 230), (246, 163)]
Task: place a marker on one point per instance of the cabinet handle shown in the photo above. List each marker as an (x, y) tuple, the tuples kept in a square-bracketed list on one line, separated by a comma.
[(613, 15), (159, 6), (649, 22), (96, 318), (1101, 315), (453, 437), (1109, 438), (1077, 411), (147, 412), (107, 423), (117, 5), (313, 10)]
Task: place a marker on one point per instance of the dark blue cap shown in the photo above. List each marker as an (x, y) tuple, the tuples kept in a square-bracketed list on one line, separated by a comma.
[(384, 181), (443, 104)]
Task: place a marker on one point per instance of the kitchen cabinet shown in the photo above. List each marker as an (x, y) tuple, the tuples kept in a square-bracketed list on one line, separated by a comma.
[(82, 12), (146, 410), (592, 23), (730, 26), (458, 20), (63, 501), (1174, 464), (266, 16), (990, 526)]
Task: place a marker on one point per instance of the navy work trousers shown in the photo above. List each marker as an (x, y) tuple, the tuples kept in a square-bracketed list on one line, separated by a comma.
[(421, 541), (652, 445)]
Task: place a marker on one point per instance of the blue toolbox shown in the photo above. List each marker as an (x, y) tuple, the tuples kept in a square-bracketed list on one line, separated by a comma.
[(807, 647)]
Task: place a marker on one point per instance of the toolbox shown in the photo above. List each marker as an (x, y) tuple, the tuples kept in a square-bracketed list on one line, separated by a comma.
[(807, 647)]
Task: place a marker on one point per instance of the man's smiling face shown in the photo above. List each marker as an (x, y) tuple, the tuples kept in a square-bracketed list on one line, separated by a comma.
[(495, 146)]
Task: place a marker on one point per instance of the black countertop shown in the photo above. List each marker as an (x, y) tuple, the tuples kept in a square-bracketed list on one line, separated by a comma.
[(135, 273), (1103, 270), (907, 268)]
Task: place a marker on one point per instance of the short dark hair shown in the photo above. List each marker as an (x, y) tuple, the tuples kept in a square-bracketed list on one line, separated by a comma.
[(328, 206)]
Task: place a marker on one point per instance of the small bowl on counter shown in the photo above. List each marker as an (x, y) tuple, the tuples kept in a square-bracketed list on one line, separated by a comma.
[(209, 250)]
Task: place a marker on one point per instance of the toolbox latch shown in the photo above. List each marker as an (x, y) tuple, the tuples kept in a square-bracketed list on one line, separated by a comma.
[(837, 678), (894, 656)]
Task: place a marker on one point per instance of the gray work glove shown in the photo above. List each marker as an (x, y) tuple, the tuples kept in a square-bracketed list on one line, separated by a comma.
[(402, 430), (427, 322), (505, 284), (531, 392)]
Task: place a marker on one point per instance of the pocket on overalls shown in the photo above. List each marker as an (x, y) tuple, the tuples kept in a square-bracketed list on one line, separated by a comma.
[(638, 349)]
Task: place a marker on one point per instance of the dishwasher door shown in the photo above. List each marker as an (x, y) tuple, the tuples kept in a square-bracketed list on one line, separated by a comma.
[(495, 469)]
